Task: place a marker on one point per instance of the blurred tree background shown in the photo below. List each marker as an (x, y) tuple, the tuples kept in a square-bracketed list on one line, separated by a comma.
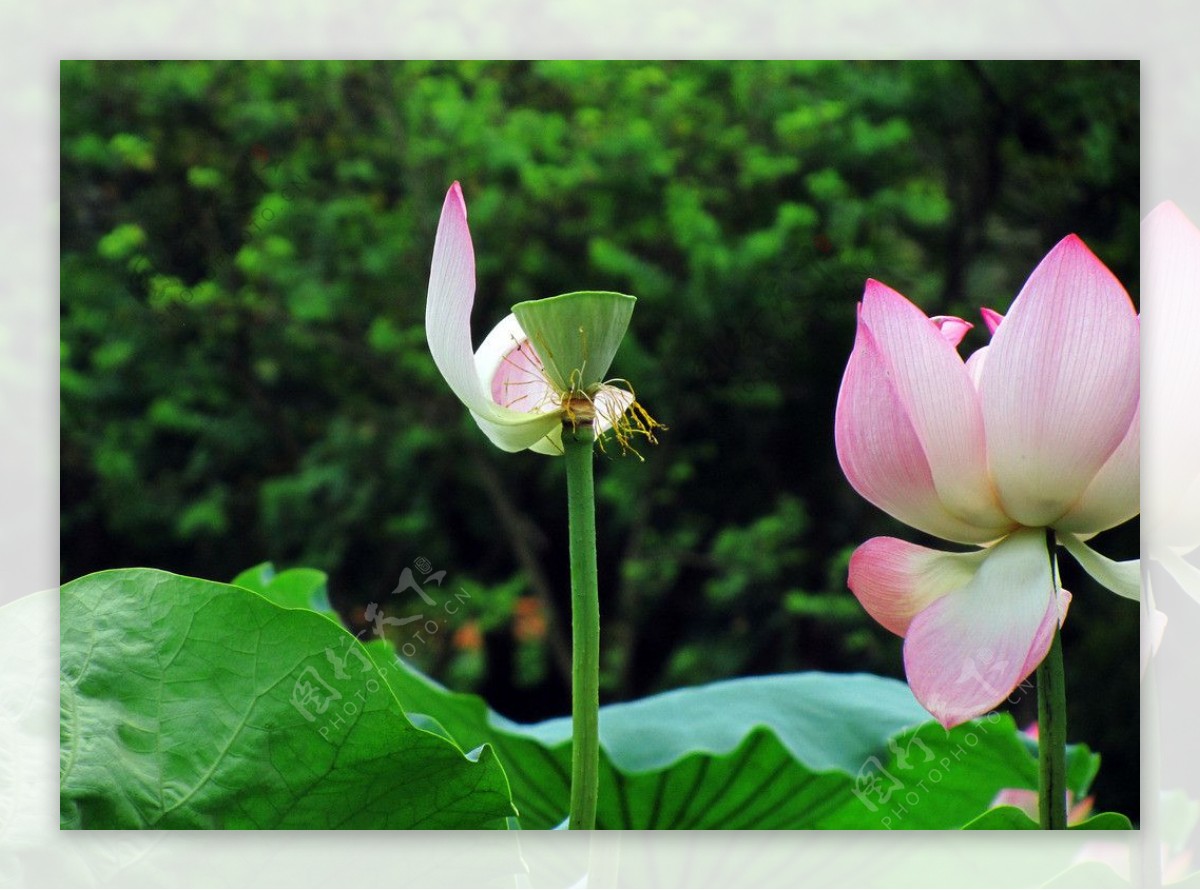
[(245, 254)]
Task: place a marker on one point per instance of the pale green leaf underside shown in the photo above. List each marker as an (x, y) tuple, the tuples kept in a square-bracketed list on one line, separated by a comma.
[(778, 752)]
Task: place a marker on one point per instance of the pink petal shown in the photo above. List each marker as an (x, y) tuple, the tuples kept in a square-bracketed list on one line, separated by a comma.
[(451, 297), (895, 580), (1113, 496), (1079, 811), (879, 450), (1024, 799), (952, 328), (991, 318), (1060, 385), (941, 403), (966, 652), (511, 371), (519, 382), (448, 330)]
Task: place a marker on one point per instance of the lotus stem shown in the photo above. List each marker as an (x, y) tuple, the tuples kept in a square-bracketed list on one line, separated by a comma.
[(1052, 725), (578, 440)]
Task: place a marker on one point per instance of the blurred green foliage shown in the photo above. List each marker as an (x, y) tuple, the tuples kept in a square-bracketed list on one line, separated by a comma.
[(245, 252)]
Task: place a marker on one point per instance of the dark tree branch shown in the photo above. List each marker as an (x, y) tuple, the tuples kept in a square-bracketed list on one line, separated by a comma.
[(522, 534)]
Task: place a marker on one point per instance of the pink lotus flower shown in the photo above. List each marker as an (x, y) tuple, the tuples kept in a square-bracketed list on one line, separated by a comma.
[(1026, 800), (1037, 431)]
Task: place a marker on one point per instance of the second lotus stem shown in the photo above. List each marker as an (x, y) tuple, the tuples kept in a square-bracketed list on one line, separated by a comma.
[(1052, 724)]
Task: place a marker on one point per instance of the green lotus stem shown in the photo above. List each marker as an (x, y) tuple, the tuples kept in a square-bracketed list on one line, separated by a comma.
[(1052, 726), (578, 439)]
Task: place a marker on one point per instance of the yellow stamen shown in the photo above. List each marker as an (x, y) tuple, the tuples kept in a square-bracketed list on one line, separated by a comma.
[(630, 422)]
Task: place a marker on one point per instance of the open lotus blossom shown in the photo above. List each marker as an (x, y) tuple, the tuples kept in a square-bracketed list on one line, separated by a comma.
[(1037, 431), (545, 362)]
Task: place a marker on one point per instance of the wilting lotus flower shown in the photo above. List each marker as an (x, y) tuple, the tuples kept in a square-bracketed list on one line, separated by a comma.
[(542, 364), (1037, 431), (538, 373)]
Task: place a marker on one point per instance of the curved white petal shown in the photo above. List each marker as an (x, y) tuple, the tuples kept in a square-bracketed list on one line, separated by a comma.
[(1060, 385), (551, 443), (526, 433), (1112, 497), (1123, 578), (448, 331)]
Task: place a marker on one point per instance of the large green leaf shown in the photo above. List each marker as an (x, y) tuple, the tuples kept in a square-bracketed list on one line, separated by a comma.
[(193, 704), (790, 751), (1008, 818), (291, 589)]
